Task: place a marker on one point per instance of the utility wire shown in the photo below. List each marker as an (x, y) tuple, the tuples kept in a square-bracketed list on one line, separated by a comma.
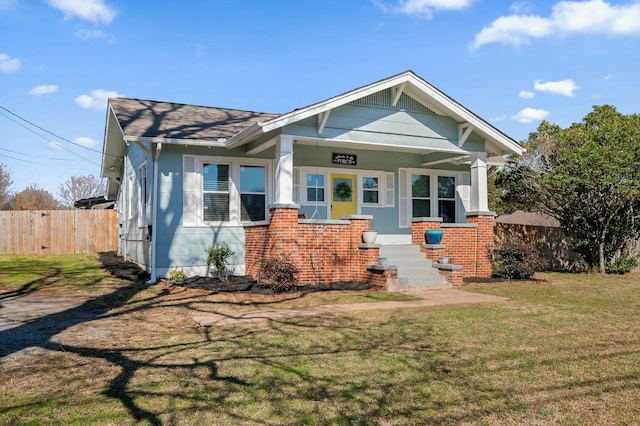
[(43, 137), (47, 131)]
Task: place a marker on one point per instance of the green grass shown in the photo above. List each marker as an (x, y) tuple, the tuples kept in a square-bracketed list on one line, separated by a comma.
[(562, 351)]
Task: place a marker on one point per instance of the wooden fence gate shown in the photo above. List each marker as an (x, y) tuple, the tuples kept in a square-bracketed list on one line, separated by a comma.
[(57, 231)]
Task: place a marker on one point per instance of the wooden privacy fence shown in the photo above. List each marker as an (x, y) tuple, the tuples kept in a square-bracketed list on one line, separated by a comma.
[(57, 231)]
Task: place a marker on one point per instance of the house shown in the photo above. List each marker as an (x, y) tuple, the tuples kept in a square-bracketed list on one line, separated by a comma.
[(397, 155)]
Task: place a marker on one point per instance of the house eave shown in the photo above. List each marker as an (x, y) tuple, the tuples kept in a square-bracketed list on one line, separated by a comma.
[(406, 82)]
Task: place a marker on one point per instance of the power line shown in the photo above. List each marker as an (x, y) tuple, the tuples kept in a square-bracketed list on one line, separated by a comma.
[(47, 131), (19, 159), (45, 138)]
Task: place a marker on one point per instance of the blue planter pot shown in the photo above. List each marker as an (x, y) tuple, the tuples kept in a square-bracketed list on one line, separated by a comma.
[(433, 236)]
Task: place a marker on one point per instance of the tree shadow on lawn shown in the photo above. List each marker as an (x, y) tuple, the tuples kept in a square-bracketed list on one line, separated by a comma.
[(40, 332)]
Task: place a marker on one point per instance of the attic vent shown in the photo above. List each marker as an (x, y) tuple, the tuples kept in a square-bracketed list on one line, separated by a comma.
[(383, 100)]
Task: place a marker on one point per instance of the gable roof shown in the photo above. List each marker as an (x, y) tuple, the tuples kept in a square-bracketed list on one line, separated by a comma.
[(142, 119), (407, 82)]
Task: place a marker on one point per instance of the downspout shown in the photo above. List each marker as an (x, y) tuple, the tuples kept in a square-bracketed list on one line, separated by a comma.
[(154, 216)]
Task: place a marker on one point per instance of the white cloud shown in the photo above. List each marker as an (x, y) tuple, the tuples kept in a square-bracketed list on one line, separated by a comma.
[(423, 8), (55, 145), (526, 94), (44, 89), (567, 18), (97, 99), (498, 118), (89, 10), (9, 64), (86, 142), (609, 76), (562, 87), (521, 7), (529, 115)]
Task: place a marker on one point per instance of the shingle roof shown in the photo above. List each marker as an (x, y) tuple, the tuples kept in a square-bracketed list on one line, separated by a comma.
[(520, 217), (144, 118)]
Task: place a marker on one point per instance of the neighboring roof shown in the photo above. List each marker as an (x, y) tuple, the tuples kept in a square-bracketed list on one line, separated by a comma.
[(140, 118), (94, 203), (520, 217)]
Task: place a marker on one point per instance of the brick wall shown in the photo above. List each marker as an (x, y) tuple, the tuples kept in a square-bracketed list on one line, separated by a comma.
[(467, 245), (323, 252)]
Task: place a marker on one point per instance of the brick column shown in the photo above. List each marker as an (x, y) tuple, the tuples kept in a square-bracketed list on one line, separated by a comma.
[(485, 239)]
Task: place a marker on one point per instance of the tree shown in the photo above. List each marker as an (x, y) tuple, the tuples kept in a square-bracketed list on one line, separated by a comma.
[(80, 187), (5, 184), (34, 198), (588, 177)]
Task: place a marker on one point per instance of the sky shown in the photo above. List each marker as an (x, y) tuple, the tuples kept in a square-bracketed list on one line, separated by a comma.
[(512, 63)]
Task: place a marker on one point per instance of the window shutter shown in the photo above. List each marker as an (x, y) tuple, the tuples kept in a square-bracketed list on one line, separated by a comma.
[(388, 190), (296, 185), (190, 191), (403, 198)]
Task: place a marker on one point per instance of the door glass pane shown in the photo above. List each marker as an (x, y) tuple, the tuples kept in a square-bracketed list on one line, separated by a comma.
[(420, 186), (252, 179), (342, 189)]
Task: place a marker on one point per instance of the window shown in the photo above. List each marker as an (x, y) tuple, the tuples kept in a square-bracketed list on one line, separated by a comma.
[(225, 191), (421, 195), (215, 192), (370, 190), (253, 194), (447, 198), (315, 187), (143, 196)]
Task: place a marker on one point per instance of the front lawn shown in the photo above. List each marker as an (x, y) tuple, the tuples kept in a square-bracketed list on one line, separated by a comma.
[(565, 351)]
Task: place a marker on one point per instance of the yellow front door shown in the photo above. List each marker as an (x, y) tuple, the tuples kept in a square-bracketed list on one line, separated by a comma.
[(343, 195)]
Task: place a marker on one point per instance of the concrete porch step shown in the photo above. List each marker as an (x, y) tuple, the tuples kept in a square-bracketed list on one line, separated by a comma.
[(414, 269)]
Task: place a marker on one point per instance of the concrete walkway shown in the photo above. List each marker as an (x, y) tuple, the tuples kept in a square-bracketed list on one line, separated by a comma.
[(447, 296)]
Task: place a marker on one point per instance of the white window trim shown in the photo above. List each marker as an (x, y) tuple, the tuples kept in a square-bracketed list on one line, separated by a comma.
[(143, 194), (234, 190), (328, 171), (433, 182)]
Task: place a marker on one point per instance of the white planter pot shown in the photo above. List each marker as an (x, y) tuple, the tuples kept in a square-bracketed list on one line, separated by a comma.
[(369, 237)]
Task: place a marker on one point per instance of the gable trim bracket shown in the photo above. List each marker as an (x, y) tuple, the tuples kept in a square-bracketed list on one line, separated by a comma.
[(396, 92), (464, 130), (322, 120)]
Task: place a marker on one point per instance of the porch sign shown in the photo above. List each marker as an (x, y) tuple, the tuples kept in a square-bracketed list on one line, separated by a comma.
[(344, 159)]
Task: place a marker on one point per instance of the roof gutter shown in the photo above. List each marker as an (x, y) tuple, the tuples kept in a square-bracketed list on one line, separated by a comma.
[(240, 138), (154, 217)]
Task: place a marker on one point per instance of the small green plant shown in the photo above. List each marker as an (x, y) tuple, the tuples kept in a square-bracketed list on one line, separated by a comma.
[(218, 258), (622, 265), (515, 259), (281, 274), (177, 276)]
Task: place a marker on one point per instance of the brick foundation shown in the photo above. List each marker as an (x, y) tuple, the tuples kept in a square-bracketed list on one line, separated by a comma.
[(323, 251), (466, 244)]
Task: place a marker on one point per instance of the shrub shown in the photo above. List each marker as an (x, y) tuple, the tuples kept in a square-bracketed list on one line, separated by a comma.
[(177, 276), (281, 274), (622, 265), (218, 258), (515, 259)]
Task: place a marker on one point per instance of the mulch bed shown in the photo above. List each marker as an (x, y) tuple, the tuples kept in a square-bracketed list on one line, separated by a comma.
[(120, 268), (248, 285)]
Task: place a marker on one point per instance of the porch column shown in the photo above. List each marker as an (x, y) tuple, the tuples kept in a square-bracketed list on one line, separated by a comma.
[(284, 170), (479, 194)]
